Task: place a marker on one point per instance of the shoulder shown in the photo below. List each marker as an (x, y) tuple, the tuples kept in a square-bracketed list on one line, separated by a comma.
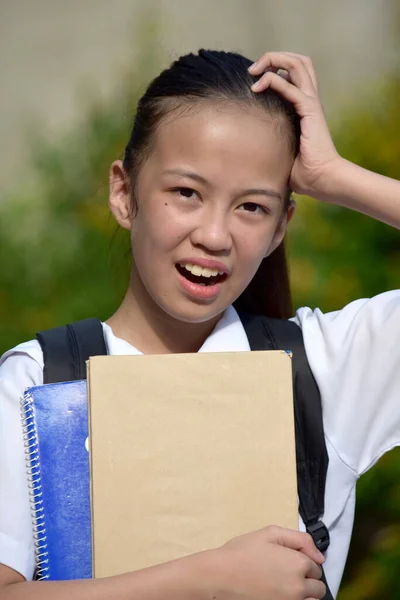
[(358, 331), (23, 364), (354, 355), (384, 306), (360, 325)]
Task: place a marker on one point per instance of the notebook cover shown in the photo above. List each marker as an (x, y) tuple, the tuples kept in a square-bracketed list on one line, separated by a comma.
[(55, 429), (187, 451)]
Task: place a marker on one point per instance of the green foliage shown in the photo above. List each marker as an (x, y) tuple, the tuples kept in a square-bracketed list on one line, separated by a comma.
[(61, 261), (54, 245), (60, 253)]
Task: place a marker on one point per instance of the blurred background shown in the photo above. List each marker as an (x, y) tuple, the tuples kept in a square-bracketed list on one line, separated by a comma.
[(71, 73)]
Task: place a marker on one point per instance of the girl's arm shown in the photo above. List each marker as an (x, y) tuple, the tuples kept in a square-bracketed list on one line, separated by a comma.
[(176, 580), (352, 186), (269, 564), (318, 170)]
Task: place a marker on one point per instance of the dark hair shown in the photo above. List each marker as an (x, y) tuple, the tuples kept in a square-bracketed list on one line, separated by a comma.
[(216, 76)]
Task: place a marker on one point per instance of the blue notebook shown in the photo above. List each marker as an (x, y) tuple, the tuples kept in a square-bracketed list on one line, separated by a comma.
[(55, 420)]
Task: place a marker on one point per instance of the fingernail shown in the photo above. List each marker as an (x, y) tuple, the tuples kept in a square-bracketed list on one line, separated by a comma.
[(255, 86), (252, 67), (321, 556)]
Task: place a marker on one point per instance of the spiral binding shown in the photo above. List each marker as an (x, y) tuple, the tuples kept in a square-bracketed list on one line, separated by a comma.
[(35, 487)]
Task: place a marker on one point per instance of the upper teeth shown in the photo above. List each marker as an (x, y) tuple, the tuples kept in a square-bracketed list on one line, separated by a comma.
[(201, 271)]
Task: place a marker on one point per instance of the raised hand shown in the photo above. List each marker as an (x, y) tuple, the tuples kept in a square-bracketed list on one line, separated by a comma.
[(293, 76)]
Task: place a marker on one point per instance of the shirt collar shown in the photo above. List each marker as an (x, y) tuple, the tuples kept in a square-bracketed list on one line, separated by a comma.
[(228, 336)]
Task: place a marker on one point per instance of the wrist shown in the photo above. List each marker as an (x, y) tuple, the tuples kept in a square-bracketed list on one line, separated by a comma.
[(185, 578), (210, 572), (197, 574), (333, 181)]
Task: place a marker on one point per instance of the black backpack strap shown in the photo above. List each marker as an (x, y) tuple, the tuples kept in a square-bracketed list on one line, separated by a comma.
[(66, 349), (265, 333)]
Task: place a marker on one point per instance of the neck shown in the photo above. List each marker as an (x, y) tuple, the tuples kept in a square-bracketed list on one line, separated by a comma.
[(142, 323)]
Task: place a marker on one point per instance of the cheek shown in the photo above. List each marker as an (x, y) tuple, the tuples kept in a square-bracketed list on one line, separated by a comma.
[(157, 229), (253, 243), (249, 260)]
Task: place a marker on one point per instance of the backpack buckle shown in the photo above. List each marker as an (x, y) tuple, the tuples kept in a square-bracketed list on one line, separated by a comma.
[(320, 534)]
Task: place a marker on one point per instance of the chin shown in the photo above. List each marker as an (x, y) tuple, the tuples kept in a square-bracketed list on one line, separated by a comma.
[(192, 312)]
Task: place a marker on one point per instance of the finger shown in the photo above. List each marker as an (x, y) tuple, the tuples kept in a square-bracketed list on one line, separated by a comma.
[(315, 590), (260, 65), (302, 542), (286, 89), (306, 60), (298, 73), (284, 74), (313, 570)]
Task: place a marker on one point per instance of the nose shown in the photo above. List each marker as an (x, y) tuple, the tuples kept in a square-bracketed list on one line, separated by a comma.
[(212, 232)]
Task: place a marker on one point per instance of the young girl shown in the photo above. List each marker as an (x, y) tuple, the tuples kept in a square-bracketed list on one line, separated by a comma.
[(204, 190)]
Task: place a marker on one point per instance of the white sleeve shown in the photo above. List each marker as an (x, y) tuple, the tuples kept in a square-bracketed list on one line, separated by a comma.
[(354, 354), (20, 368)]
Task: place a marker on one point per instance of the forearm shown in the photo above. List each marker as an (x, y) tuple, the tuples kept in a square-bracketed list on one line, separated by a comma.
[(175, 580), (356, 188)]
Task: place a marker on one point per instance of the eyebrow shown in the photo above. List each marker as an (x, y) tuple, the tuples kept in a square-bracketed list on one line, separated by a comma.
[(250, 192)]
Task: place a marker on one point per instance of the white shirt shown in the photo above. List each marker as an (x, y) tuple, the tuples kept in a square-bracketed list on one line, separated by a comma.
[(354, 355)]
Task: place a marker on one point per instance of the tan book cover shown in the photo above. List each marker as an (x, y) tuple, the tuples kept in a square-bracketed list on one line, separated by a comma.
[(186, 452)]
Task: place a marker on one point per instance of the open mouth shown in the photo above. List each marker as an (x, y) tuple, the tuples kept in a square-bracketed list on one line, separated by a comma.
[(199, 275)]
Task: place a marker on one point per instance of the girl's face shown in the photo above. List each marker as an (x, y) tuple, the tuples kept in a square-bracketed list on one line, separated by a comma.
[(209, 208)]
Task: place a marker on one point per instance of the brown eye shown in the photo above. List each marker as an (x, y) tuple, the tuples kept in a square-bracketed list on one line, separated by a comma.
[(186, 192), (253, 207)]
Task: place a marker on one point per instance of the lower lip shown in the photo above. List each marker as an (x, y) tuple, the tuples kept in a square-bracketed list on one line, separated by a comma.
[(199, 291)]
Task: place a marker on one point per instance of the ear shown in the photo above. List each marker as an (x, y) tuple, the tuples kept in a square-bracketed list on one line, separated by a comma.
[(282, 226), (120, 198)]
